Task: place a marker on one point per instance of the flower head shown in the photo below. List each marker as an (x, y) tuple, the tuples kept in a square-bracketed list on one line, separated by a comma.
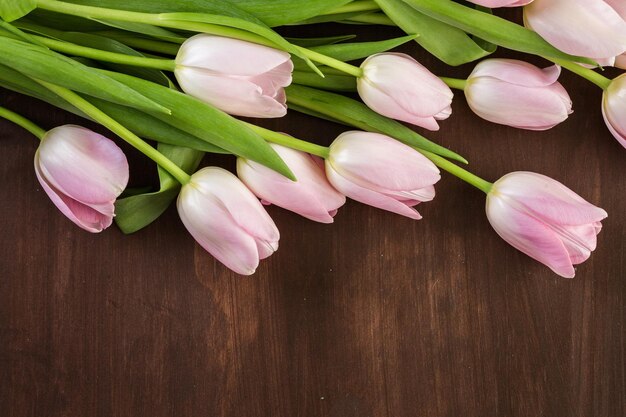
[(399, 87), (227, 220), (238, 77), (544, 219), (377, 170), (614, 108), (83, 173)]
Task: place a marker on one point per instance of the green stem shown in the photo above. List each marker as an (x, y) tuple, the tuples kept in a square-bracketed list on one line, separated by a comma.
[(100, 55), (456, 83), (372, 19), (355, 6), (290, 142), (598, 79), (22, 122), (458, 172), (332, 62), (151, 45), (108, 122)]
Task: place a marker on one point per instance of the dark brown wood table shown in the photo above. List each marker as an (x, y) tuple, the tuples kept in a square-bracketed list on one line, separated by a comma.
[(375, 315)]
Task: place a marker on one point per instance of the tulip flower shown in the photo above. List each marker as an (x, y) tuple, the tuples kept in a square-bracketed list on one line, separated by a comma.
[(311, 196), (227, 220), (588, 28), (83, 173), (620, 7), (397, 86), (377, 170), (238, 77), (501, 3), (614, 108), (544, 219), (517, 94)]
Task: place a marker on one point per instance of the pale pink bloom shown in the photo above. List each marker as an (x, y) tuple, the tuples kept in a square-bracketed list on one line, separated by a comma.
[(501, 3), (311, 196), (83, 173), (518, 94), (377, 170), (238, 77), (620, 7), (397, 86), (227, 220), (588, 28), (614, 108), (544, 219)]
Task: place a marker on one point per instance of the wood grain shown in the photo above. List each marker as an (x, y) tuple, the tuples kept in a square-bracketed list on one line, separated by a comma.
[(374, 316)]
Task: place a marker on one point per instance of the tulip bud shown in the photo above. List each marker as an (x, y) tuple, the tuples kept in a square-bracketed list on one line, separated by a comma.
[(377, 170), (238, 77), (500, 3), (620, 7), (311, 196), (614, 108), (544, 219), (588, 28), (83, 173), (517, 94), (399, 87), (227, 220)]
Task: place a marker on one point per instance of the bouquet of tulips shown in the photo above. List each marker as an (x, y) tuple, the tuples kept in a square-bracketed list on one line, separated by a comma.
[(177, 72)]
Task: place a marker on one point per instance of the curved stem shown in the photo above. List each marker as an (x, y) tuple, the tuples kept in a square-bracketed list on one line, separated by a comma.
[(108, 122), (100, 55), (458, 172), (290, 142), (455, 83), (355, 6), (151, 45), (22, 122), (372, 19), (332, 62), (598, 79)]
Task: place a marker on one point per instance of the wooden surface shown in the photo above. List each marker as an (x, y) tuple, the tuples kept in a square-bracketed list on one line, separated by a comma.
[(376, 315)]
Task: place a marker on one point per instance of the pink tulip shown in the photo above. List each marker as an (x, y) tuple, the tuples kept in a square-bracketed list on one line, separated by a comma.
[(83, 173), (620, 7), (588, 28), (377, 170), (517, 94), (614, 108), (544, 219), (500, 3), (397, 86), (311, 196), (238, 77), (227, 220)]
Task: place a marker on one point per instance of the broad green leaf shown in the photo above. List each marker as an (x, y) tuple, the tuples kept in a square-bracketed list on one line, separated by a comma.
[(11, 10), (282, 12), (138, 211), (491, 28), (451, 45), (333, 82), (142, 124), (308, 42), (354, 113), (37, 62), (326, 18), (62, 22), (144, 29), (207, 123)]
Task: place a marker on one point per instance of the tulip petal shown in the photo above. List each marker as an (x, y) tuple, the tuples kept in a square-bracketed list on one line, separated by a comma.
[(517, 72), (235, 96), (614, 109), (548, 200), (589, 28), (367, 196), (381, 163), (82, 215), (82, 164), (529, 235), (229, 56)]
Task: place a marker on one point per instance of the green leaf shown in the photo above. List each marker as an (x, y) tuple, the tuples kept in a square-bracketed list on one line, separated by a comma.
[(40, 63), (282, 12), (144, 29), (138, 211), (308, 42), (207, 123), (11, 10), (141, 124), (451, 45), (354, 113), (333, 82), (491, 28)]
